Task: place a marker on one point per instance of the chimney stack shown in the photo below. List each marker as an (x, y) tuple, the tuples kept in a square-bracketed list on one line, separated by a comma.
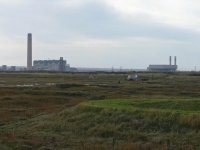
[(29, 52), (170, 60), (175, 60), (61, 64)]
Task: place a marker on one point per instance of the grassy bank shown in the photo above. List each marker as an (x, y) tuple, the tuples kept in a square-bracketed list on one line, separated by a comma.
[(133, 124), (83, 113)]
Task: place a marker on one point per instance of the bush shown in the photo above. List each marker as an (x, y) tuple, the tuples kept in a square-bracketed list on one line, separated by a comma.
[(65, 86), (7, 98), (4, 148), (45, 148)]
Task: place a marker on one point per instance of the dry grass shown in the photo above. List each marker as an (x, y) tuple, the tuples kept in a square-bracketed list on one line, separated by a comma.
[(31, 115)]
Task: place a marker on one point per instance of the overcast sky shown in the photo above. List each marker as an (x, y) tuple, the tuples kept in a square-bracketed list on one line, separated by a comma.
[(102, 33)]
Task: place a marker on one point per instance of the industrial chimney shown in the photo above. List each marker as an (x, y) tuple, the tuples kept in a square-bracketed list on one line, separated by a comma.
[(61, 67), (29, 52), (175, 60), (170, 60)]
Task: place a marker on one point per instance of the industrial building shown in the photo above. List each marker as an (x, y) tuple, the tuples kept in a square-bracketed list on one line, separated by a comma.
[(4, 67), (164, 68), (48, 65), (51, 65), (72, 69), (8, 68), (13, 68), (29, 52)]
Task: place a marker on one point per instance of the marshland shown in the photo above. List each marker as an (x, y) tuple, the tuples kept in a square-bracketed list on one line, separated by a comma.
[(48, 110)]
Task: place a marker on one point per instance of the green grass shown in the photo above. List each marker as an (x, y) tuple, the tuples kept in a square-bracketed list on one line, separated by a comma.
[(83, 113), (169, 104)]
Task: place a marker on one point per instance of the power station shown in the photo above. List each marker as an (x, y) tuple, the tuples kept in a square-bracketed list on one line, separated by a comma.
[(61, 64), (164, 68), (29, 52), (51, 65)]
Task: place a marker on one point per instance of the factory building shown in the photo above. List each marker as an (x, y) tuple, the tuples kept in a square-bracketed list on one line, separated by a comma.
[(13, 68), (4, 67), (29, 52), (73, 69), (67, 67), (51, 65), (164, 68)]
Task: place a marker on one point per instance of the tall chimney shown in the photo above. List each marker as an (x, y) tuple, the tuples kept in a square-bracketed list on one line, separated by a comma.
[(170, 60), (61, 64), (29, 52), (175, 60)]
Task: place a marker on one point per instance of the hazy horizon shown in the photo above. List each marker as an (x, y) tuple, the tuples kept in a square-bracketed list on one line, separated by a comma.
[(102, 33)]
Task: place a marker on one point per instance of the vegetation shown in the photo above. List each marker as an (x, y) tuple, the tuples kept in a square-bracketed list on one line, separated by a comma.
[(70, 110)]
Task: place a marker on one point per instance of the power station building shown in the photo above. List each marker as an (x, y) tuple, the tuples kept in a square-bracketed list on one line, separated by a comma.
[(164, 68), (48, 65), (13, 68), (51, 65)]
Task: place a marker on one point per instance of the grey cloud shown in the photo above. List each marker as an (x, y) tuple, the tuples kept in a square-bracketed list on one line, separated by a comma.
[(50, 22)]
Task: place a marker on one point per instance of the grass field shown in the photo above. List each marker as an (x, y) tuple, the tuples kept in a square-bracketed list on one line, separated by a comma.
[(71, 111)]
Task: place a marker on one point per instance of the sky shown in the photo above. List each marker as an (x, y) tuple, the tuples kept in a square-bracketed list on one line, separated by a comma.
[(102, 33)]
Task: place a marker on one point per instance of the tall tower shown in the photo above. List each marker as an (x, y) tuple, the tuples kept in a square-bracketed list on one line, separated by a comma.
[(175, 60), (170, 60), (61, 64), (29, 52)]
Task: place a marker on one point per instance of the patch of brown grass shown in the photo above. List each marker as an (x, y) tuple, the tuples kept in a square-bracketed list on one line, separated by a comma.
[(5, 116)]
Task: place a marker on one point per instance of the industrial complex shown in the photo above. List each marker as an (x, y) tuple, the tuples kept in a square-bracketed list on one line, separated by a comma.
[(62, 66), (164, 68), (40, 65)]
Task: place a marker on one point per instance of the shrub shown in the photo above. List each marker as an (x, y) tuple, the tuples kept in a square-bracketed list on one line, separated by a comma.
[(7, 98)]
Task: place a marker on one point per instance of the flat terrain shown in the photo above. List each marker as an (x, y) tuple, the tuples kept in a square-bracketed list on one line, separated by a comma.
[(71, 111)]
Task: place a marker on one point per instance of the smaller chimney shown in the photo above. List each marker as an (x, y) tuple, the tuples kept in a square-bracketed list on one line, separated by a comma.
[(175, 60), (170, 60)]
